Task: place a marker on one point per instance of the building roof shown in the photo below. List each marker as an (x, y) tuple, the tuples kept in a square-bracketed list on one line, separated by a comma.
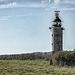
[(57, 19)]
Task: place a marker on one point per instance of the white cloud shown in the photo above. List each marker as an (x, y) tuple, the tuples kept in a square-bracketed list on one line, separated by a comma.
[(21, 15), (60, 4), (2, 0), (68, 1), (10, 5), (34, 5), (49, 1), (3, 18), (63, 5), (15, 4), (68, 9), (56, 1)]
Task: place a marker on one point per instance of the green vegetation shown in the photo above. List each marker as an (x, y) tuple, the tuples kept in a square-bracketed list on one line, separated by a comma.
[(28, 56), (32, 67), (64, 58)]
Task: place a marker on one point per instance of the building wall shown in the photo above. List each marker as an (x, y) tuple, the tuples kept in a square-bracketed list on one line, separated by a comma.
[(57, 39)]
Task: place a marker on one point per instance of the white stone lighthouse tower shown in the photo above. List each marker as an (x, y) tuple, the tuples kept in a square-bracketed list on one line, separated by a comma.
[(57, 33)]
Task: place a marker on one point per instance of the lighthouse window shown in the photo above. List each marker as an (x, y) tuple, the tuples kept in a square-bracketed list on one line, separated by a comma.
[(59, 23)]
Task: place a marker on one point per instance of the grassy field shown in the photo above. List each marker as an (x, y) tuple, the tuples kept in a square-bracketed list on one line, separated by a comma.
[(32, 67)]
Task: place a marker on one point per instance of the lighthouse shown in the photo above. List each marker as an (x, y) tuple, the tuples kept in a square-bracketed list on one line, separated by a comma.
[(57, 33)]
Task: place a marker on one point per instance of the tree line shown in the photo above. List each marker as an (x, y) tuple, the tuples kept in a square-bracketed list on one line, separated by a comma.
[(30, 56)]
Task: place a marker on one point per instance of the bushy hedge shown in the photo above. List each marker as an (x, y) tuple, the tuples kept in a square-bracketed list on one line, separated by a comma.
[(30, 56), (65, 58)]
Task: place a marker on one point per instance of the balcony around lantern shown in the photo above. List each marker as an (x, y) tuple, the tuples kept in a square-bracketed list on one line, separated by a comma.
[(57, 24)]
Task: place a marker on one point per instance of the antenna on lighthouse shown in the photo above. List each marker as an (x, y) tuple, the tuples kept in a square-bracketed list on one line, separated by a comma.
[(56, 13)]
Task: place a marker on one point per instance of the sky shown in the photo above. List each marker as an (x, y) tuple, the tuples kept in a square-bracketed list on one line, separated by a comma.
[(24, 25)]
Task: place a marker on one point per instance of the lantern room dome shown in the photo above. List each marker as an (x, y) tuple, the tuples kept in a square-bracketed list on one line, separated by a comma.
[(57, 19)]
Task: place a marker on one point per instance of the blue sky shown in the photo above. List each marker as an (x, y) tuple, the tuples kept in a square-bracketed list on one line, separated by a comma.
[(24, 25)]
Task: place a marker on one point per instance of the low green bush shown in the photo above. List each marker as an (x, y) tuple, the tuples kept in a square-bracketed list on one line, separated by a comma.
[(64, 58)]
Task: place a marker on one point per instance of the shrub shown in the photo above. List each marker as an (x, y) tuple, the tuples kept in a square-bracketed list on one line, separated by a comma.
[(65, 58)]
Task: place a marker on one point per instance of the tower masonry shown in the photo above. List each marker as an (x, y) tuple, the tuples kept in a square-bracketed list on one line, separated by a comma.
[(57, 33)]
